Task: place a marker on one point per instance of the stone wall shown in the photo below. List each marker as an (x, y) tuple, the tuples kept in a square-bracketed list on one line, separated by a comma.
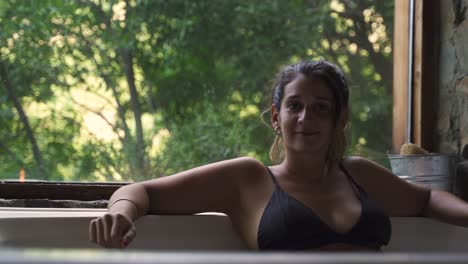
[(452, 119)]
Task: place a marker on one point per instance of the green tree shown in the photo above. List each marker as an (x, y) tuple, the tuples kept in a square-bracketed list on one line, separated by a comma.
[(25, 74), (179, 83)]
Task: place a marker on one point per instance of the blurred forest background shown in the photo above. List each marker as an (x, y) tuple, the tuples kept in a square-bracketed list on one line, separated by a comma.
[(102, 90)]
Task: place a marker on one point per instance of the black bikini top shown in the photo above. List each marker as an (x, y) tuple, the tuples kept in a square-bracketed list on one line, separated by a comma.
[(288, 224)]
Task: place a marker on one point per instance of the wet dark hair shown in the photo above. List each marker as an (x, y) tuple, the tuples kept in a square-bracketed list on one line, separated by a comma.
[(334, 79), (323, 70)]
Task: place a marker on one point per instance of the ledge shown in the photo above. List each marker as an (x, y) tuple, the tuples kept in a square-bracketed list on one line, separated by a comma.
[(58, 190), (47, 203)]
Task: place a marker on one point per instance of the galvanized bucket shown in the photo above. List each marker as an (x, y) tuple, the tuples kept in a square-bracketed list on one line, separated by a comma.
[(435, 171)]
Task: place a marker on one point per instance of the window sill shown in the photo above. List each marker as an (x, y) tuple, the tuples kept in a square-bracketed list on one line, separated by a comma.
[(78, 191)]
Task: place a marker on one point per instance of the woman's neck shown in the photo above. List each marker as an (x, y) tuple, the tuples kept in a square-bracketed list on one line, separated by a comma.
[(305, 168)]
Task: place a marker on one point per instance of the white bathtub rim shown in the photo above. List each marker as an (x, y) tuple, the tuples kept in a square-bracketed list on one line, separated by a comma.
[(143, 257), (22, 212)]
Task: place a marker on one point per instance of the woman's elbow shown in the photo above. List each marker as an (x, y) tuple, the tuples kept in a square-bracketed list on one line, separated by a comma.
[(135, 193)]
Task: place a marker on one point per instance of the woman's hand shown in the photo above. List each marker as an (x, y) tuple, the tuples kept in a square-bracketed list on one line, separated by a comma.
[(112, 230)]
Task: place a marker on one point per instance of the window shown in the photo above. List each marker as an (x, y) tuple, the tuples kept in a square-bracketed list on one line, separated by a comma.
[(104, 91), (421, 126)]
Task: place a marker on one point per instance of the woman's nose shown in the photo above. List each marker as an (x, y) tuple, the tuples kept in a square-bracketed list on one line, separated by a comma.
[(307, 113)]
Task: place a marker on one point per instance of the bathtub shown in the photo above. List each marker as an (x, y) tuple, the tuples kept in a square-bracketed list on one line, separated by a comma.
[(35, 235)]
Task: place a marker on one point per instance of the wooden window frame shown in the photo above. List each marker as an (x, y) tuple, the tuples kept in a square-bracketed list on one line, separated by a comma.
[(425, 50), (424, 73)]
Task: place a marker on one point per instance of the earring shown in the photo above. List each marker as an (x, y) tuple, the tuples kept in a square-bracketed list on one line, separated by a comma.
[(277, 129)]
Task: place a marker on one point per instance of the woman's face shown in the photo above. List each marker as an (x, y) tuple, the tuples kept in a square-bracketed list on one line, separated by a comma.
[(306, 117)]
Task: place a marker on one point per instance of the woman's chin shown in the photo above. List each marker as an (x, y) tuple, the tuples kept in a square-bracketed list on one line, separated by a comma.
[(305, 149)]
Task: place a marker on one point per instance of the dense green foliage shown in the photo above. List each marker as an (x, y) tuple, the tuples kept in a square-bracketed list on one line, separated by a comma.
[(128, 90)]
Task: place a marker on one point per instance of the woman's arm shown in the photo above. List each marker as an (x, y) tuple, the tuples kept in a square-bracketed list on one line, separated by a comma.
[(130, 200), (214, 187), (211, 188), (447, 207), (397, 196), (401, 198)]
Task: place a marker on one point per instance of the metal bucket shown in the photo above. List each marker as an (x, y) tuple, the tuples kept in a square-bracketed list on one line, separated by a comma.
[(435, 171)]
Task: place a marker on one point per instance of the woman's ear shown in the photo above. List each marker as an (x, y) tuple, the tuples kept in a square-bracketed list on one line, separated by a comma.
[(274, 115)]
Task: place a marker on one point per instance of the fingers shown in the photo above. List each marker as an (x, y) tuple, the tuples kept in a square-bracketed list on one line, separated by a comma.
[(128, 237), (121, 225), (116, 234), (107, 226), (112, 231), (92, 231), (100, 232)]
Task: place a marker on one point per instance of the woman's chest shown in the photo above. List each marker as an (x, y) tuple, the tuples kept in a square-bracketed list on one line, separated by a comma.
[(271, 211)]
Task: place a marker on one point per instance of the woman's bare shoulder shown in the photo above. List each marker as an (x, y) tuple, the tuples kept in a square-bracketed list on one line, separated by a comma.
[(237, 167), (248, 169), (247, 163), (241, 170), (365, 169), (358, 163)]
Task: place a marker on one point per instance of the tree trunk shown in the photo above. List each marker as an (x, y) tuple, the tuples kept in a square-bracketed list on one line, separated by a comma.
[(140, 160), (41, 173), (136, 148)]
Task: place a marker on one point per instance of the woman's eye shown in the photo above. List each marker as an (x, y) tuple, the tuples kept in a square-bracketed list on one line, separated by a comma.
[(294, 106), (323, 108)]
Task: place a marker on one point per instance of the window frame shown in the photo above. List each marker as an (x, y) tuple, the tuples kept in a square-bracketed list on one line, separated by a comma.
[(424, 73)]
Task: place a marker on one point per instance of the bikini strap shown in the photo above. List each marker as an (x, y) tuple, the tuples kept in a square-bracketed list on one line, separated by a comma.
[(272, 176), (355, 185)]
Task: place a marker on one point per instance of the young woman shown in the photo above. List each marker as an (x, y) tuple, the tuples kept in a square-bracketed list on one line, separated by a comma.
[(313, 199)]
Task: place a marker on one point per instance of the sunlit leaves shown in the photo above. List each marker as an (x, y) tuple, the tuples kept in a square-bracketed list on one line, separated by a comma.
[(202, 71)]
